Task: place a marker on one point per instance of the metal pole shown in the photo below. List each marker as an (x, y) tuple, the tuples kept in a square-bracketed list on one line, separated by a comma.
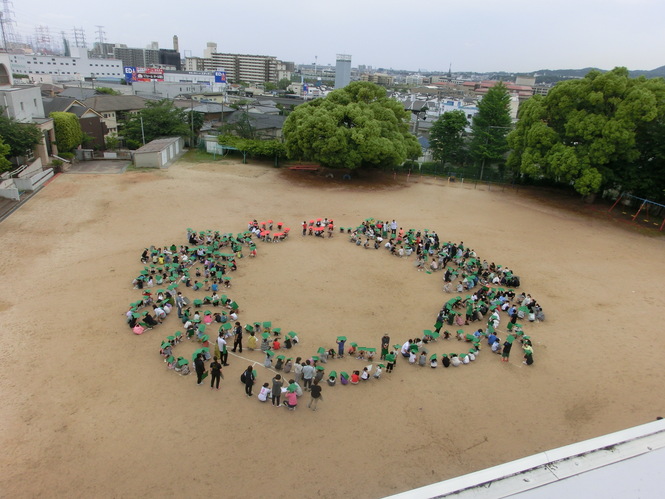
[(142, 131)]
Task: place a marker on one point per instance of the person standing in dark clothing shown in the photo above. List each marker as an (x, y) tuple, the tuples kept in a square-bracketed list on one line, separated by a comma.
[(200, 367), (316, 395), (237, 340), (215, 372), (248, 378)]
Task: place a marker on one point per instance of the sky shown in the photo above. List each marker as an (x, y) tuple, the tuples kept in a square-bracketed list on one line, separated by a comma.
[(426, 35)]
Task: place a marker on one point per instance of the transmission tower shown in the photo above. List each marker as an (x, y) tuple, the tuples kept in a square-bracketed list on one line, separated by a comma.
[(43, 39), (9, 24), (79, 37), (101, 34)]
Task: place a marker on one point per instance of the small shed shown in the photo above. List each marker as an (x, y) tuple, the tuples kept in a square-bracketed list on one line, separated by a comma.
[(159, 153)]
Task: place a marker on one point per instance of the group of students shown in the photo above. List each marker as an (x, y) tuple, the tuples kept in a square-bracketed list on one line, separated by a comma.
[(208, 262), (318, 227), (264, 231), (204, 264)]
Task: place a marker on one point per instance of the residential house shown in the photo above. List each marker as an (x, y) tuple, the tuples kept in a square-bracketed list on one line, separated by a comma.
[(115, 108), (24, 104), (265, 126), (91, 121)]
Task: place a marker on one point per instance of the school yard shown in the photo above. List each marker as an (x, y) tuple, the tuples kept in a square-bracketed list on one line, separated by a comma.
[(89, 409)]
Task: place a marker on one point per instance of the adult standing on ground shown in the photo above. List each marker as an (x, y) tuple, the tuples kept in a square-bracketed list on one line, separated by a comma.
[(507, 345), (385, 346), (179, 302), (237, 340), (277, 384), (316, 395), (221, 346), (248, 378), (307, 375), (215, 372), (200, 367)]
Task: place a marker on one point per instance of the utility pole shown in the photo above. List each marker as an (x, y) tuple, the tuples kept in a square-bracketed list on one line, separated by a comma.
[(142, 131)]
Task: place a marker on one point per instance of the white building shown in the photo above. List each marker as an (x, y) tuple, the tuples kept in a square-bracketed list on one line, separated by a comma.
[(60, 68)]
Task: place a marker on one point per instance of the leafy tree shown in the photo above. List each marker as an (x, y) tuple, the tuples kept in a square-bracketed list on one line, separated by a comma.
[(160, 119), (255, 148), (283, 84), (107, 91), (242, 127), (447, 137), (604, 130), (20, 137), (112, 142), (5, 164), (68, 133), (490, 126), (356, 126), (269, 86)]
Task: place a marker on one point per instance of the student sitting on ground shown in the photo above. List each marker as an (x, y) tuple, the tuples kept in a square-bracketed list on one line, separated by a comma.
[(265, 392)]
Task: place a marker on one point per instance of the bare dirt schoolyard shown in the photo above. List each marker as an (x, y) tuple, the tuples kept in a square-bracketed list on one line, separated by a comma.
[(90, 410)]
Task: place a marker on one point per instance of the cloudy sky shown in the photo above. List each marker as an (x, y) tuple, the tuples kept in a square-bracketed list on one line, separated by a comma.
[(481, 35)]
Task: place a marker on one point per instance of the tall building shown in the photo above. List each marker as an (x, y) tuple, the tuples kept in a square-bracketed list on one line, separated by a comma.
[(137, 57), (211, 48), (170, 58), (176, 47), (59, 68), (343, 70), (244, 67)]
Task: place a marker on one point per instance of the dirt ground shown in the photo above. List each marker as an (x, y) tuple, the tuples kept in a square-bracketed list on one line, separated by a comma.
[(89, 409)]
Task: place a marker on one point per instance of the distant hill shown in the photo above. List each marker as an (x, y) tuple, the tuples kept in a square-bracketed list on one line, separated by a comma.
[(556, 75), (553, 76)]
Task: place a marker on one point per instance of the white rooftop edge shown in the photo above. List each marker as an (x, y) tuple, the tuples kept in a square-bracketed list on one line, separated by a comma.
[(627, 464)]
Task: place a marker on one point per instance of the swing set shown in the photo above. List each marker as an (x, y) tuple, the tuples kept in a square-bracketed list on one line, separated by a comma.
[(645, 204)]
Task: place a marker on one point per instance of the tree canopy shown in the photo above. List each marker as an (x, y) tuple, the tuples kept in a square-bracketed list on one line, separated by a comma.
[(68, 133), (604, 130), (355, 126), (160, 119), (447, 137), (491, 125), (5, 164), (20, 137)]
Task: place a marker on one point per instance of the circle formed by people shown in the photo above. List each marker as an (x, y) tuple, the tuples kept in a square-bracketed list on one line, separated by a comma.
[(186, 289)]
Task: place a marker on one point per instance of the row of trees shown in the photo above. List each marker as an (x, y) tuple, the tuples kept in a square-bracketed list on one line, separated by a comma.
[(451, 142)]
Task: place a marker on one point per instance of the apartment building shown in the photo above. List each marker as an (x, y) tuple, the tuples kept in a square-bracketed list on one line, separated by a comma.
[(244, 67)]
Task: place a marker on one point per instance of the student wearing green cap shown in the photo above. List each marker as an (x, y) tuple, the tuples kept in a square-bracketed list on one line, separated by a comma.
[(390, 360), (528, 353)]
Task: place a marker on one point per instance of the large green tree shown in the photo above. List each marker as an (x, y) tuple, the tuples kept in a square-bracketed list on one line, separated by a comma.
[(20, 137), (160, 119), (604, 130), (490, 127), (5, 164), (68, 133), (356, 126), (447, 137)]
